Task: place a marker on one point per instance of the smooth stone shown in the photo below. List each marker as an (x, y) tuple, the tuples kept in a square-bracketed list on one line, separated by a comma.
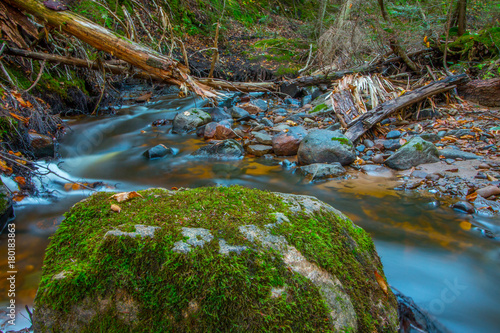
[(456, 153), (238, 113), (266, 122), (158, 151), (488, 191), (323, 146), (287, 143), (321, 170), (415, 152), (227, 149), (464, 206), (217, 114), (392, 144), (393, 135), (263, 138), (189, 120), (259, 150), (218, 131), (42, 145), (360, 148)]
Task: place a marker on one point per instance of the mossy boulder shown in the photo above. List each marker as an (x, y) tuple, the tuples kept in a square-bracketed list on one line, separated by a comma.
[(216, 259), (188, 121), (415, 152), (324, 146)]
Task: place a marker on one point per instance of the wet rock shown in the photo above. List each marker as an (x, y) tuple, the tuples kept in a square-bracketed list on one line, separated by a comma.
[(419, 174), (251, 108), (486, 207), (306, 100), (189, 120), (368, 143), (6, 208), (227, 149), (457, 153), (261, 104), (266, 122), (392, 144), (280, 111), (464, 206), (415, 152), (488, 191), (321, 170), (431, 137), (158, 151), (218, 131), (287, 143), (238, 113), (41, 145), (259, 150), (360, 148), (292, 102), (291, 89), (217, 114), (393, 135), (263, 138), (323, 146)]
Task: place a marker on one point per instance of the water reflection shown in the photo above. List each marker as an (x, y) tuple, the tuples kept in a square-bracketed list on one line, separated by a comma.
[(429, 251)]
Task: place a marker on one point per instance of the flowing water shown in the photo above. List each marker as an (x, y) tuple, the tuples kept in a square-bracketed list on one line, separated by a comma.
[(430, 252)]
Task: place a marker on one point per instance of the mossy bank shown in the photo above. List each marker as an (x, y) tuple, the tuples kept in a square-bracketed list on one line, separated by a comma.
[(216, 259)]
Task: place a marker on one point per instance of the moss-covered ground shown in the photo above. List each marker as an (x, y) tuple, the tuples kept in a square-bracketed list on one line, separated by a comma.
[(230, 293)]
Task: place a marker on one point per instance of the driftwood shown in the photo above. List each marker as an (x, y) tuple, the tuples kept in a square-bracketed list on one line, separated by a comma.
[(360, 125), (484, 92), (105, 40)]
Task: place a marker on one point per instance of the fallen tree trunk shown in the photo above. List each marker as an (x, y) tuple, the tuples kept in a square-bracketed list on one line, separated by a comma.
[(484, 92), (111, 67), (366, 121), (103, 39)]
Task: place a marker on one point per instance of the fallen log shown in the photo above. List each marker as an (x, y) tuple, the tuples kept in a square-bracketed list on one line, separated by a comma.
[(360, 125), (105, 40), (114, 68), (484, 92)]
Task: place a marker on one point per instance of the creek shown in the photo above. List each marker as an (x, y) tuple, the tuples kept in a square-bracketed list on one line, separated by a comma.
[(430, 252)]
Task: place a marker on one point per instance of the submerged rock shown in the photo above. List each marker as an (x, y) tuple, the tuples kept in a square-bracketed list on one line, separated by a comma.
[(227, 149), (415, 152), (321, 171), (324, 146), (188, 121), (212, 259), (41, 145), (158, 151)]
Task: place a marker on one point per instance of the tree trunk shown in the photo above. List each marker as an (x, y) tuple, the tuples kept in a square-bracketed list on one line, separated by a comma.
[(394, 41), (484, 92), (101, 38), (362, 124), (462, 19)]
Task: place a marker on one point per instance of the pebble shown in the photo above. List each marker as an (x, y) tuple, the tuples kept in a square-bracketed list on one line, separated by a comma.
[(393, 135)]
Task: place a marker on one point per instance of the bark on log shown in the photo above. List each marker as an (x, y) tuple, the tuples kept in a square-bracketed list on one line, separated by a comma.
[(484, 92), (362, 124), (101, 38)]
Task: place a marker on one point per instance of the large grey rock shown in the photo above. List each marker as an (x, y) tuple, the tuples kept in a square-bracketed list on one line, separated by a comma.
[(227, 149), (259, 150), (212, 259), (263, 138), (321, 170), (415, 152), (238, 113), (158, 151), (287, 142), (188, 121), (323, 146)]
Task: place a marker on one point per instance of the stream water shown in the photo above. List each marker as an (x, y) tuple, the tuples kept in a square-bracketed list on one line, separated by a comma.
[(430, 252)]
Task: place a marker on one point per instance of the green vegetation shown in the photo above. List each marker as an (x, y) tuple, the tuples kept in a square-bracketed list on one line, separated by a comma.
[(319, 107), (204, 290)]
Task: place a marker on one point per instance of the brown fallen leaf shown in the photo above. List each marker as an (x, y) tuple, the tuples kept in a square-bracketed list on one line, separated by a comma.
[(381, 282), (125, 196), (116, 208)]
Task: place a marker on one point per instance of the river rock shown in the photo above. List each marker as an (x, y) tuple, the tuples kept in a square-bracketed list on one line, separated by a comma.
[(158, 151), (6, 208), (227, 149), (263, 138), (212, 259), (218, 131), (393, 135), (415, 152), (238, 113), (488, 191), (259, 150), (322, 170), (287, 143), (457, 153), (189, 120), (217, 114), (323, 146), (41, 145)]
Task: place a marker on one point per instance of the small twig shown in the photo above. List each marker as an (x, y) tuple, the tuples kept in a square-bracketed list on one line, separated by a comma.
[(308, 60), (102, 91), (42, 66)]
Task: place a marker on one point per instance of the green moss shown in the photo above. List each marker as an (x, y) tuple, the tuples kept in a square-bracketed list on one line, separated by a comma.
[(318, 108), (466, 44), (418, 146), (343, 141), (60, 84), (166, 284)]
